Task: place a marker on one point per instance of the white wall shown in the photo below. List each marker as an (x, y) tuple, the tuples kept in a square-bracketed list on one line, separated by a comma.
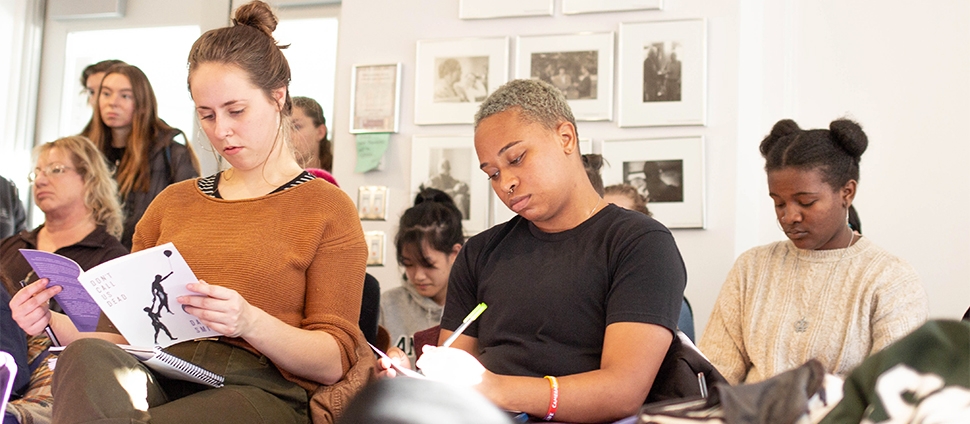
[(900, 69), (20, 26), (374, 31)]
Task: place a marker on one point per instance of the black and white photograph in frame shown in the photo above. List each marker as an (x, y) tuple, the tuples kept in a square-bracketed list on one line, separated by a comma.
[(669, 172), (583, 70), (573, 73), (449, 164), (460, 79), (452, 77), (663, 77), (573, 7), (658, 181), (488, 9)]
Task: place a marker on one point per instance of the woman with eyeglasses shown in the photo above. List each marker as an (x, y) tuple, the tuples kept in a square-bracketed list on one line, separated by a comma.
[(74, 188)]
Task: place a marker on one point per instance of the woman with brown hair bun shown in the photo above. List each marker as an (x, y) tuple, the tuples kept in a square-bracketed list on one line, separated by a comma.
[(281, 282)]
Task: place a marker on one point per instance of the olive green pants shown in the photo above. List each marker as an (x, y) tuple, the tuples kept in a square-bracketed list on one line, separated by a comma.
[(97, 382)]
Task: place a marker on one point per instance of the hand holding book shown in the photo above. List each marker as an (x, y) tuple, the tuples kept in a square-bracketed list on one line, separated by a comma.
[(221, 309)]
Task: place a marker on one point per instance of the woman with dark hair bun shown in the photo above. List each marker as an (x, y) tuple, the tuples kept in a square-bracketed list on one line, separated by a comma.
[(826, 292), (279, 281), (428, 240)]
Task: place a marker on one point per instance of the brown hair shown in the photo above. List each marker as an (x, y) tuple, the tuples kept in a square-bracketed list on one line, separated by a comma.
[(630, 192), (248, 45), (314, 111), (134, 170)]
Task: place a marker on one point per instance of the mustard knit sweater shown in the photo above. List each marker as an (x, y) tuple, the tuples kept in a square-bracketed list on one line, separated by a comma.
[(298, 254), (854, 302)]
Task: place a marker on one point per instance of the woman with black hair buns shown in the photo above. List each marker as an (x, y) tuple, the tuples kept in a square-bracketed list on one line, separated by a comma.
[(826, 292), (428, 240)]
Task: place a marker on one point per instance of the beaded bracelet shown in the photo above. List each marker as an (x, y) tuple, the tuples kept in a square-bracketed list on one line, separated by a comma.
[(553, 397)]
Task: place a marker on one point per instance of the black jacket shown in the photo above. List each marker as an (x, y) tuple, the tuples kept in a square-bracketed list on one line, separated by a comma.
[(171, 162)]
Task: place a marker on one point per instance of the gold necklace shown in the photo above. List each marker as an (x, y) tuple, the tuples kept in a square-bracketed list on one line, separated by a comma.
[(594, 208), (801, 325)]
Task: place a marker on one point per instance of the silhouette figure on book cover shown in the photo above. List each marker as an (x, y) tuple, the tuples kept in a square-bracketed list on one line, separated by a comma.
[(158, 292), (157, 322)]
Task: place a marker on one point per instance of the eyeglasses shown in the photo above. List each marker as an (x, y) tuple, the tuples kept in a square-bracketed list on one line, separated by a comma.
[(51, 171)]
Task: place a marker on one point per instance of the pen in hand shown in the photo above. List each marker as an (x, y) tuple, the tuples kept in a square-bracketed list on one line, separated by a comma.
[(47, 329), (472, 316)]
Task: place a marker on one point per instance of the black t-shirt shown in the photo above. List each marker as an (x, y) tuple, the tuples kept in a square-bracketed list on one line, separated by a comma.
[(551, 296)]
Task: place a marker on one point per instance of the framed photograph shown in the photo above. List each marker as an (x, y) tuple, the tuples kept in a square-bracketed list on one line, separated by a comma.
[(572, 7), (581, 65), (669, 172), (375, 98), (453, 77), (372, 203), (450, 164), (487, 9), (375, 247), (663, 73)]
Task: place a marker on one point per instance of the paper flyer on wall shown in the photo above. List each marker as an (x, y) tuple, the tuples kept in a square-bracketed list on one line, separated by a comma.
[(137, 292)]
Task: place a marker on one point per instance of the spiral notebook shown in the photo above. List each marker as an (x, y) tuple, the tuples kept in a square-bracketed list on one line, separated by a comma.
[(172, 366), (163, 363)]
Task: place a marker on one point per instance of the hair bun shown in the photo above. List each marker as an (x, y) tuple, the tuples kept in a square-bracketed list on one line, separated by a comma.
[(257, 14), (429, 195), (848, 135), (781, 129)]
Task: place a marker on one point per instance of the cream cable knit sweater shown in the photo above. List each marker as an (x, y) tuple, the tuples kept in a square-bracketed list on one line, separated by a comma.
[(853, 307)]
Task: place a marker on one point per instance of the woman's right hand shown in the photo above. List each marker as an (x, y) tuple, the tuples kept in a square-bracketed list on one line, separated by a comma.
[(30, 307), (395, 357)]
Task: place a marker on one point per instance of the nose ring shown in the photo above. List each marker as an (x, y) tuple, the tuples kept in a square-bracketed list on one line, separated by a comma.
[(511, 189)]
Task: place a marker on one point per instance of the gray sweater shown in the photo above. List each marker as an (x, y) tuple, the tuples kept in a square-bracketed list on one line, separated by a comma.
[(404, 312)]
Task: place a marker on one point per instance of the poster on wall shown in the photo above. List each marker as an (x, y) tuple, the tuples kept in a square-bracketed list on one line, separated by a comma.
[(449, 164), (487, 9), (581, 65), (374, 100), (572, 7), (663, 73), (453, 77), (668, 172)]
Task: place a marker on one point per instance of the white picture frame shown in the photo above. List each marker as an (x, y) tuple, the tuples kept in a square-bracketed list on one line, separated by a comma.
[(675, 207), (375, 98), (453, 77), (573, 7), (463, 180), (651, 53), (489, 9), (564, 61)]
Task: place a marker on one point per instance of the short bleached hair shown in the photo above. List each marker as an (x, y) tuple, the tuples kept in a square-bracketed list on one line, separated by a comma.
[(537, 101)]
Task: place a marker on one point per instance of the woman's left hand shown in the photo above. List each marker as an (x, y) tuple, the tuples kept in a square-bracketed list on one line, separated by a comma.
[(221, 309)]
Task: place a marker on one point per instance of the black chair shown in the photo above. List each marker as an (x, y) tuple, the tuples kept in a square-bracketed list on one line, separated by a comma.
[(686, 321), (370, 308)]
